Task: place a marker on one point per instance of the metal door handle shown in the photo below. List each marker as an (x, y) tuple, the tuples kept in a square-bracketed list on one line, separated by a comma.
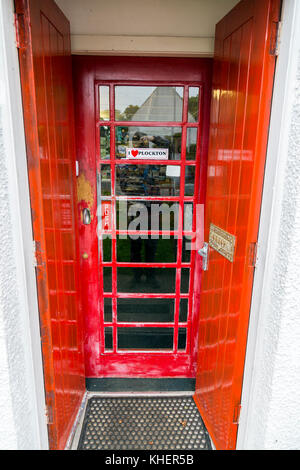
[(204, 253), (86, 216)]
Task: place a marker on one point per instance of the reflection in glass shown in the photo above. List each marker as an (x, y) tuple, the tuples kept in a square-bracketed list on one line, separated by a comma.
[(191, 143), (108, 338), (148, 103), (104, 181), (104, 103), (146, 250), (189, 186), (183, 310), (188, 217), (149, 137), (185, 280), (145, 310), (145, 338), (147, 180), (147, 215), (193, 107), (108, 310), (104, 143), (181, 339), (149, 280), (107, 279)]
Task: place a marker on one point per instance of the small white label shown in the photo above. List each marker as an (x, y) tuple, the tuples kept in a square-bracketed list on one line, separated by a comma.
[(147, 154), (173, 171)]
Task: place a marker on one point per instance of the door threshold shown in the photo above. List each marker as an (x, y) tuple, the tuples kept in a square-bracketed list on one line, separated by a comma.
[(134, 384)]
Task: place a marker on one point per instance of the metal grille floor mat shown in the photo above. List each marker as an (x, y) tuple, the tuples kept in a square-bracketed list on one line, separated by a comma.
[(143, 423)]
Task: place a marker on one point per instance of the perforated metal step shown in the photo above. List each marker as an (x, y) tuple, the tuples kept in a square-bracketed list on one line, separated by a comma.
[(143, 423)]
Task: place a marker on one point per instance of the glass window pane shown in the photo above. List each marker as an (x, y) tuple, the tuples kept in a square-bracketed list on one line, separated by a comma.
[(108, 338), (107, 279), (108, 310), (145, 310), (104, 181), (191, 143), (189, 186), (145, 338), (133, 137), (146, 103), (183, 310), (186, 249), (146, 280), (147, 215), (106, 247), (104, 103), (147, 180), (193, 108), (104, 142), (188, 217), (146, 250), (181, 339), (185, 280)]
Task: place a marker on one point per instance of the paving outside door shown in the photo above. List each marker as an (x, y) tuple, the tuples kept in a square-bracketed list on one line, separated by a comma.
[(145, 177)]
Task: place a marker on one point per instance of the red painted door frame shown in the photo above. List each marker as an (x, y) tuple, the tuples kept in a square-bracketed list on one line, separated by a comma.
[(244, 65), (90, 72), (46, 80)]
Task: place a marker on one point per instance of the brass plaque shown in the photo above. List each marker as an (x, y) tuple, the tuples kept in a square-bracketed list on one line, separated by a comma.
[(222, 241)]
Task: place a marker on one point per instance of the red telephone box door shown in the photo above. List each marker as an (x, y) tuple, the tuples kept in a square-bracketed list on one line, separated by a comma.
[(142, 133), (242, 90), (46, 79)]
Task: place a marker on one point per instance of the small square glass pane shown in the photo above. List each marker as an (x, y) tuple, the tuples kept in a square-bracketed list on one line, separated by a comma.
[(181, 339), (146, 280), (104, 181), (145, 338), (186, 249), (148, 103), (108, 338), (185, 280), (193, 107), (191, 143), (146, 250), (147, 215), (104, 142), (108, 310), (183, 310), (188, 217), (106, 247), (107, 279), (145, 310), (189, 186), (133, 138), (104, 103)]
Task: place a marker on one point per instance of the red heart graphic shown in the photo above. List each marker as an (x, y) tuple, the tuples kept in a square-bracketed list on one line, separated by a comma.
[(134, 153)]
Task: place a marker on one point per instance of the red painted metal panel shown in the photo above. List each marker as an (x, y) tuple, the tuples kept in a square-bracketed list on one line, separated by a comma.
[(241, 98), (45, 65), (89, 73)]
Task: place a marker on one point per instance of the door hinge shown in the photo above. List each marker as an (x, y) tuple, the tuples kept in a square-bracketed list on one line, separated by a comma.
[(253, 258), (37, 256), (236, 414), (20, 30), (275, 38), (49, 414)]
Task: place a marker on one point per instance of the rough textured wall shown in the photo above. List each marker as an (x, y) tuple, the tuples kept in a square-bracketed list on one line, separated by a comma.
[(274, 417)]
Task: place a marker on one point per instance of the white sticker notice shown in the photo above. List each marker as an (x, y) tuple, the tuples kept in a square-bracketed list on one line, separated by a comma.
[(147, 154)]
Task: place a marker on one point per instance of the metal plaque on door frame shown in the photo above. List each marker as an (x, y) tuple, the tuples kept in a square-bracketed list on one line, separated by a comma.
[(222, 241)]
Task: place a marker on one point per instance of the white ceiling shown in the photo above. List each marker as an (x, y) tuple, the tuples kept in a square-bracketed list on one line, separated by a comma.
[(144, 27)]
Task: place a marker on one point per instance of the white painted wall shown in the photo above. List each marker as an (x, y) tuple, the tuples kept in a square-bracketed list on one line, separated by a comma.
[(22, 405), (270, 416), (144, 27)]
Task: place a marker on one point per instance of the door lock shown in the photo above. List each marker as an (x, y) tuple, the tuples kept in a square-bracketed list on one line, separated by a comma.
[(204, 253)]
